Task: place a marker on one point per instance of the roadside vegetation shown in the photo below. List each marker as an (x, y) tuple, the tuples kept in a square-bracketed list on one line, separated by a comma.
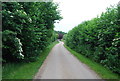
[(24, 70), (103, 72), (99, 39), (28, 28)]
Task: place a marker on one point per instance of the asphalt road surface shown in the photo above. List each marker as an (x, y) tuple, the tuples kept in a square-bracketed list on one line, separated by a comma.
[(61, 64)]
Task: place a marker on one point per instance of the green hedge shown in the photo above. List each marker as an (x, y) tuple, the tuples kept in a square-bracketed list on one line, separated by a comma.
[(27, 29), (99, 39)]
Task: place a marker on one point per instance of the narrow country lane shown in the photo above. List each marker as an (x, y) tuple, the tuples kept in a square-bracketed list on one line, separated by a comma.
[(61, 64)]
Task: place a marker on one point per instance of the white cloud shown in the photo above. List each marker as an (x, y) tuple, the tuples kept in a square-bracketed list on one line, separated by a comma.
[(74, 12)]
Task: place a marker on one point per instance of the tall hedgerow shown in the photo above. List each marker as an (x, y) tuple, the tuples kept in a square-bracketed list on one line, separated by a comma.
[(27, 29), (99, 39)]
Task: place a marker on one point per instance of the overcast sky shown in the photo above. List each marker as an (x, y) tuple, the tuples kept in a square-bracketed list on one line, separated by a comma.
[(76, 11)]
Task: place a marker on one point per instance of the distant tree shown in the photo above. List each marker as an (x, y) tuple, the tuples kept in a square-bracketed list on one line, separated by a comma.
[(60, 34)]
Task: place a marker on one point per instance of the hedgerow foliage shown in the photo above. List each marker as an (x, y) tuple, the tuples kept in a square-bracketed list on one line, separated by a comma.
[(99, 39), (27, 29)]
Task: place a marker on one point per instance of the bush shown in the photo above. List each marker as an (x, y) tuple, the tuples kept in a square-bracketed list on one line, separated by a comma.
[(99, 39), (12, 47), (27, 29)]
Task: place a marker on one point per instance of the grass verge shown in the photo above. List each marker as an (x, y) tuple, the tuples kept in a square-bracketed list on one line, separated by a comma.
[(25, 70), (103, 72)]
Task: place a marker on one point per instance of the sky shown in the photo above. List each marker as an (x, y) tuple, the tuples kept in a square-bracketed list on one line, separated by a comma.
[(76, 11)]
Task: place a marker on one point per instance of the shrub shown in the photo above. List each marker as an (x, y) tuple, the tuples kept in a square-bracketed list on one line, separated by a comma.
[(99, 39), (27, 29)]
